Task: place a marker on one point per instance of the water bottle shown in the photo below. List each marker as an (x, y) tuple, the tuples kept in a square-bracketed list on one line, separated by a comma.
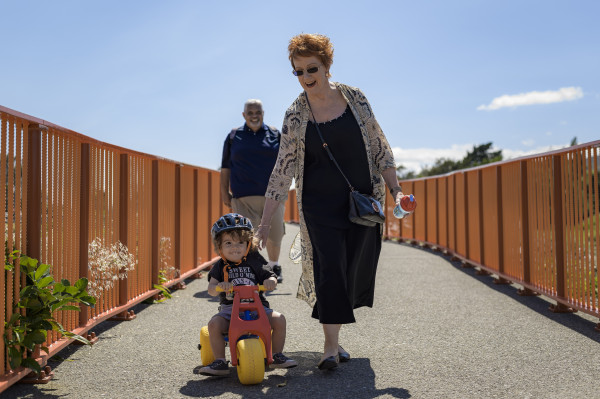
[(406, 206)]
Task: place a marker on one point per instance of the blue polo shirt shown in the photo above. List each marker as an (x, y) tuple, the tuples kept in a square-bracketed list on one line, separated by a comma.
[(250, 157)]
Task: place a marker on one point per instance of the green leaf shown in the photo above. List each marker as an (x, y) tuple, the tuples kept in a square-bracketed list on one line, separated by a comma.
[(88, 300), (65, 282), (81, 284), (60, 303), (71, 290), (37, 337), (70, 307), (77, 337), (41, 271), (31, 364), (30, 290), (56, 326), (46, 281), (30, 264), (14, 318), (28, 342), (15, 357), (45, 325), (32, 303), (58, 287), (166, 292)]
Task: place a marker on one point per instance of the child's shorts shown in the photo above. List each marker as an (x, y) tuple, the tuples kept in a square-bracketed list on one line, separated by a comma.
[(225, 311)]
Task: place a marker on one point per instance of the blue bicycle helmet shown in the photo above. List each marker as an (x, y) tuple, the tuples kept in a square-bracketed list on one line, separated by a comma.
[(231, 221)]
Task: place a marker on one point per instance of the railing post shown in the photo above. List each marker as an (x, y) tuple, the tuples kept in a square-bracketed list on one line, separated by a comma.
[(447, 216), (196, 262), (34, 191), (126, 315), (155, 240), (481, 227), (481, 224), (123, 219), (177, 217), (559, 249), (424, 213), (178, 243), (437, 213), (84, 222), (454, 209), (466, 211), (525, 231), (500, 279)]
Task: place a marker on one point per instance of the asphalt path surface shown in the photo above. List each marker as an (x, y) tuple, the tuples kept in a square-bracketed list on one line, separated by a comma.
[(437, 331)]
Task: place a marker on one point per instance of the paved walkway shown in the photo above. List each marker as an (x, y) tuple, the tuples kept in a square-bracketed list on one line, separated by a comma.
[(437, 331)]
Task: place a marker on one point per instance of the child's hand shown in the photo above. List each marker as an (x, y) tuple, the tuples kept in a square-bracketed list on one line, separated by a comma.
[(225, 286), (270, 284)]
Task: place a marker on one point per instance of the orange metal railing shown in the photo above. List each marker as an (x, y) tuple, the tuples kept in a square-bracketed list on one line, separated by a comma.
[(64, 189), (534, 221)]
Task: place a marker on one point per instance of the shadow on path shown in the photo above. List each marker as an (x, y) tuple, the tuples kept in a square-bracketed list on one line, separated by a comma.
[(355, 379), (578, 322)]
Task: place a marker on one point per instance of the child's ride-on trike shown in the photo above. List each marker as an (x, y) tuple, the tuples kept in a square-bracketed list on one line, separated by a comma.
[(249, 336)]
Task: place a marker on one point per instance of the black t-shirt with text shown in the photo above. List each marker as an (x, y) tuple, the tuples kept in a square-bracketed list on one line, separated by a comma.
[(253, 271)]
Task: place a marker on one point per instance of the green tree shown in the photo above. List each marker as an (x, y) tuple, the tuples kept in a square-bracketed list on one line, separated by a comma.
[(404, 174), (480, 155), (440, 166)]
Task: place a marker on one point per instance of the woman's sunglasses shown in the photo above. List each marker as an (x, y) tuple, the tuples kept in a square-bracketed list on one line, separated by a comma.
[(310, 70)]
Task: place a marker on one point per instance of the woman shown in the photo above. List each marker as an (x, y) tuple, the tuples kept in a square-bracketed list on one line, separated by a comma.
[(339, 258)]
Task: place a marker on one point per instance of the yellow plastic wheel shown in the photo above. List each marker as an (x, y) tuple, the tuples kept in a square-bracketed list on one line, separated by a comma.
[(206, 353), (251, 363)]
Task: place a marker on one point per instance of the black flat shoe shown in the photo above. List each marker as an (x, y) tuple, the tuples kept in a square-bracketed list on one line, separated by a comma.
[(343, 355), (328, 363)]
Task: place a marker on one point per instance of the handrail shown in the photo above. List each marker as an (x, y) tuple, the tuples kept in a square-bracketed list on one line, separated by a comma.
[(68, 189), (534, 221)]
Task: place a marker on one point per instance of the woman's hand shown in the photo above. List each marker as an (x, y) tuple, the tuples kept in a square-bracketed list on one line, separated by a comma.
[(399, 196), (262, 233)]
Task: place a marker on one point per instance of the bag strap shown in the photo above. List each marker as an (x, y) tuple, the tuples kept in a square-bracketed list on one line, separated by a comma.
[(232, 135), (326, 146)]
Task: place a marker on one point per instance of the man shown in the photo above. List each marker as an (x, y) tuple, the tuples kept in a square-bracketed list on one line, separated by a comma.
[(249, 154)]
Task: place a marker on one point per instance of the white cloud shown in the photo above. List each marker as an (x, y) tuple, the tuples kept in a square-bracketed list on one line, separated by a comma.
[(512, 154), (528, 142), (534, 97), (416, 159)]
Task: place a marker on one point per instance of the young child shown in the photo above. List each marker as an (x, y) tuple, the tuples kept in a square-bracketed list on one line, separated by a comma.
[(240, 264)]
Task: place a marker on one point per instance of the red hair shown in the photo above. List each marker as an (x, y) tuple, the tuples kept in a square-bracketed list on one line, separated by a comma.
[(311, 44)]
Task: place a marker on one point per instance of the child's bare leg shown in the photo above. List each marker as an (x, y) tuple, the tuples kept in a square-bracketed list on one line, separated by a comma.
[(216, 326), (278, 324)]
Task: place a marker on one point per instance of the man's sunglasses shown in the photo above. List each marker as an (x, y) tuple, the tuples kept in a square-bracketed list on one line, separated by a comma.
[(310, 70)]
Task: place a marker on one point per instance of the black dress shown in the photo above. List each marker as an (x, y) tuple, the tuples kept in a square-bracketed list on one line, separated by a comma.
[(345, 254)]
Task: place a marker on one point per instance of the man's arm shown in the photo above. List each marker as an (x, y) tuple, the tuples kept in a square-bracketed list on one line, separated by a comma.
[(225, 194)]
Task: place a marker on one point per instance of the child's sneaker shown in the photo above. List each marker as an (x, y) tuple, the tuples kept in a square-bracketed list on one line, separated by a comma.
[(281, 361), (218, 367)]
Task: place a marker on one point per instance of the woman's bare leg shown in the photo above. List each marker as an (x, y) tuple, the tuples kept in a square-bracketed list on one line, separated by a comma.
[(332, 335)]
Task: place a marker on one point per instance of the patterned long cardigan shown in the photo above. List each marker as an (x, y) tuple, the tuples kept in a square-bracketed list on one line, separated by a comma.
[(290, 165)]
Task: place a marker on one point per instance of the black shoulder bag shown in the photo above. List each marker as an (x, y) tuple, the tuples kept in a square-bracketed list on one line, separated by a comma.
[(364, 209)]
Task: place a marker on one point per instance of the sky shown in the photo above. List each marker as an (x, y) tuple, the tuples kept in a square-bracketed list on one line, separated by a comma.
[(170, 78)]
